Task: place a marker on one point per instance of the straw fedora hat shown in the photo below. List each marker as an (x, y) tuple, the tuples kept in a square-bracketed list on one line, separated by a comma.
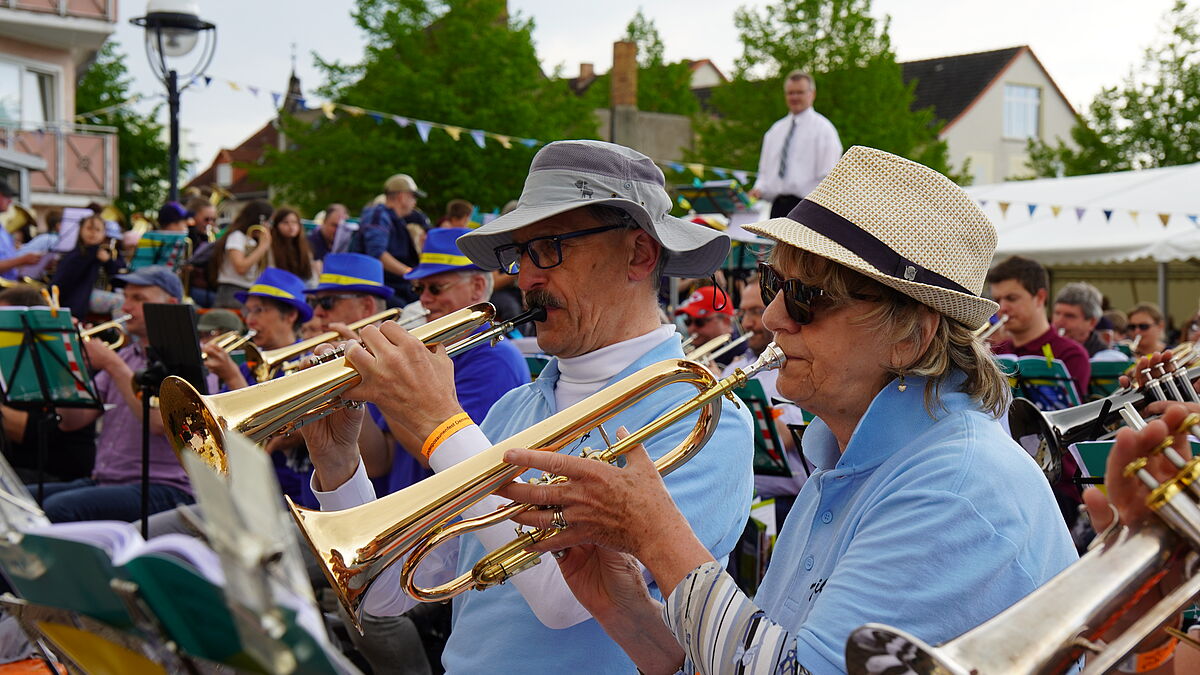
[(901, 224)]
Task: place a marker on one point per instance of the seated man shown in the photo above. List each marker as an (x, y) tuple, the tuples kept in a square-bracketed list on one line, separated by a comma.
[(594, 265), (114, 491), (708, 314)]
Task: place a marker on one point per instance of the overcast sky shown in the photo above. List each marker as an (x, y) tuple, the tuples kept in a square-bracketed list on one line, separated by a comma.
[(1084, 44)]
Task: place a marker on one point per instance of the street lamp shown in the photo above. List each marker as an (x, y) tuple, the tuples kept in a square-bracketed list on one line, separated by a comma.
[(173, 27)]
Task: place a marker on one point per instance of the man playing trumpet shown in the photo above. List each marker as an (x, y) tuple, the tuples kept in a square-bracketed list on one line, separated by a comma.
[(589, 243)]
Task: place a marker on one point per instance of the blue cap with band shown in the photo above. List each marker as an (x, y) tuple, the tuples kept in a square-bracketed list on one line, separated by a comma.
[(154, 275), (280, 285), (441, 254), (351, 273)]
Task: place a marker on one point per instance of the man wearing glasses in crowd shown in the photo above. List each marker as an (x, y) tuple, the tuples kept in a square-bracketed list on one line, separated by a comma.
[(708, 314), (589, 242)]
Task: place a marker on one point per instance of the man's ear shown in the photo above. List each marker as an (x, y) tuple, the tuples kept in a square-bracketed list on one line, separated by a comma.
[(643, 258)]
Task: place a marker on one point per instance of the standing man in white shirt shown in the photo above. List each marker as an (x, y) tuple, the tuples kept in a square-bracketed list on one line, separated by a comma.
[(797, 151)]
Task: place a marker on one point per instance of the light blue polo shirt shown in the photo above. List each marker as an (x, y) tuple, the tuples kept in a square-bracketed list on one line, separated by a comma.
[(931, 526), (494, 631)]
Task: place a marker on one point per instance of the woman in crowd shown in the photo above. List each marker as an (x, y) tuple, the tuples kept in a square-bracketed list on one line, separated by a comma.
[(1146, 320), (239, 258), (289, 246), (78, 271), (872, 293)]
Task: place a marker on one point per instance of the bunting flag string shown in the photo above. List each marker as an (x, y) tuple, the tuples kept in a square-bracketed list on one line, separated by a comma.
[(330, 110), (1163, 217)]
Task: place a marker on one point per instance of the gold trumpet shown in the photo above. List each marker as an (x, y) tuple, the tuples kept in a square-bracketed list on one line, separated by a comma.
[(230, 341), (1049, 629), (255, 229), (116, 324), (265, 365), (355, 545), (198, 423), (707, 348)]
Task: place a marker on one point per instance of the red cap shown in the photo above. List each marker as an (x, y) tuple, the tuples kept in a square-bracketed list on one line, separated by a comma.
[(705, 301)]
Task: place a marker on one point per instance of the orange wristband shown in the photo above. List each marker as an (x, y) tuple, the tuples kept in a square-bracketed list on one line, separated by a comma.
[(443, 431)]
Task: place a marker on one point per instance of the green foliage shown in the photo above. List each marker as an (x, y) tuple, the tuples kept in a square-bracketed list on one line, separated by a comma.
[(1152, 119), (859, 84), (141, 148), (662, 87), (462, 63)]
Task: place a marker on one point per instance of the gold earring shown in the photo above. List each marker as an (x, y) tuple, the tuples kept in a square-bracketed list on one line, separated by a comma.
[(903, 385)]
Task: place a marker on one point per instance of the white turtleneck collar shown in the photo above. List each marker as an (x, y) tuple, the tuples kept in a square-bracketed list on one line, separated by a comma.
[(581, 376)]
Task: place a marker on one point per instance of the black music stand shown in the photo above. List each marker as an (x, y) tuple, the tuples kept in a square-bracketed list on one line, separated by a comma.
[(172, 350), (52, 354)]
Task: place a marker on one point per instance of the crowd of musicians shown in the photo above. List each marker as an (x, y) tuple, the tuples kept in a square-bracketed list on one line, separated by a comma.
[(919, 510)]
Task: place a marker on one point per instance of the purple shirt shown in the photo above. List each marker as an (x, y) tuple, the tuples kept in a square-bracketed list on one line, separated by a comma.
[(119, 444)]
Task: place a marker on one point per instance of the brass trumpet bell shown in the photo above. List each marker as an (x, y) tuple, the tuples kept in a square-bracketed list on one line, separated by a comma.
[(197, 423), (356, 545), (117, 324)]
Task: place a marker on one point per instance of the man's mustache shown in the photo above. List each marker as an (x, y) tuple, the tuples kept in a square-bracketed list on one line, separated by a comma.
[(539, 298)]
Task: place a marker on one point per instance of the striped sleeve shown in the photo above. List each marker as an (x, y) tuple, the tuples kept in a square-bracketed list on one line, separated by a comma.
[(722, 631)]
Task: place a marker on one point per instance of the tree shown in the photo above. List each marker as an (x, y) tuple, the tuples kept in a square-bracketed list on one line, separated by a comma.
[(1152, 119), (141, 150), (464, 63), (662, 87), (859, 84)]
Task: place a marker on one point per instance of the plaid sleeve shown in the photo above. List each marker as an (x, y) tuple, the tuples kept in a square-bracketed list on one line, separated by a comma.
[(722, 631)]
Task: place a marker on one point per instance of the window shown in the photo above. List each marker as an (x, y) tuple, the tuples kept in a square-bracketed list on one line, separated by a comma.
[(1022, 111), (26, 95)]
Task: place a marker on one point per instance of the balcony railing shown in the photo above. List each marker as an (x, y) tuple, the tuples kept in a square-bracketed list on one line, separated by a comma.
[(80, 159), (84, 9)]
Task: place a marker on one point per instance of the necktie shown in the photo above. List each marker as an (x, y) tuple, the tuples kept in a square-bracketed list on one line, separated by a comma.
[(787, 143)]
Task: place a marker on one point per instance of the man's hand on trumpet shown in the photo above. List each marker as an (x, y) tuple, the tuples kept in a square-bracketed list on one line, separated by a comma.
[(333, 440)]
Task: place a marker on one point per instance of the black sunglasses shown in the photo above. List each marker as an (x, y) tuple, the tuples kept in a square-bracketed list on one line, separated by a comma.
[(326, 302), (698, 322), (797, 296), (544, 252), (1140, 326)]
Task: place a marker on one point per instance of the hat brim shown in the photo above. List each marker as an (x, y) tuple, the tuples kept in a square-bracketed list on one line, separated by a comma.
[(970, 310), (694, 250), (427, 270), (306, 312), (381, 291)]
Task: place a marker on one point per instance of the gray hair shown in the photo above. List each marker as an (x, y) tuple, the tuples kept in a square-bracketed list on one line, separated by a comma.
[(489, 284), (616, 216), (797, 75), (1082, 295)]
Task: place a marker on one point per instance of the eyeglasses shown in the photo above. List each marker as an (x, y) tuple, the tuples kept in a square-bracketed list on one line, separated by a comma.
[(434, 289), (698, 322), (544, 252), (797, 296), (1142, 327), (326, 302)]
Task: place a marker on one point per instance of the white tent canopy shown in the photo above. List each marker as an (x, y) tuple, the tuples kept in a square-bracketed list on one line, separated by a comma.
[(1080, 232)]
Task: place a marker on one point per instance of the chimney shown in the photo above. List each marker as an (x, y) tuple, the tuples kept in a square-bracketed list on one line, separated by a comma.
[(624, 74), (586, 72)]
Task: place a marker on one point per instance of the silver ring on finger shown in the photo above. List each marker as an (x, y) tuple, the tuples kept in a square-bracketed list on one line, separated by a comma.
[(559, 522)]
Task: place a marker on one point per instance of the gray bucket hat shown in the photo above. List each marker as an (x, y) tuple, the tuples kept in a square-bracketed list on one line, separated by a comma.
[(566, 175)]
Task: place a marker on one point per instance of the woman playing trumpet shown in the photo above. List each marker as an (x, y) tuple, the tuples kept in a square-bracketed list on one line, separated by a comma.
[(239, 256), (872, 292)]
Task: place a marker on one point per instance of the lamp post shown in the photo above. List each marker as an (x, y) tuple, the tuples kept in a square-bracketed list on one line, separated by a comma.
[(173, 27)]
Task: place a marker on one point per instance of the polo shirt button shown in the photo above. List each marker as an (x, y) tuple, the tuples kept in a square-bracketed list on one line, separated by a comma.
[(827, 517), (808, 563)]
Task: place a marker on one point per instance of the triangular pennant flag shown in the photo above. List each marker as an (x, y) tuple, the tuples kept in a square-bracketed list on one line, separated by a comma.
[(1079, 211), (529, 142), (721, 173), (302, 102), (697, 169), (1056, 210), (253, 90), (454, 132), (402, 121), (676, 167), (1032, 208), (683, 203), (423, 130), (983, 203), (478, 136), (275, 96), (505, 141), (1003, 209), (233, 85), (327, 108), (207, 80), (741, 176), (1164, 218), (1192, 217), (1134, 215), (354, 110), (377, 117), (1107, 214)]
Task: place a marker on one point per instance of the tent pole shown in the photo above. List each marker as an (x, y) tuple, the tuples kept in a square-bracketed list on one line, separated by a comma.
[(1162, 288)]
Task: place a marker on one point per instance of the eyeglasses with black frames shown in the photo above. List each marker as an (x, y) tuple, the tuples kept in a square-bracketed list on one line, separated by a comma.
[(544, 252)]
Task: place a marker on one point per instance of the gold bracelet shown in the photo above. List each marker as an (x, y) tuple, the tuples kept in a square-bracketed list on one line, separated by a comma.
[(443, 431)]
